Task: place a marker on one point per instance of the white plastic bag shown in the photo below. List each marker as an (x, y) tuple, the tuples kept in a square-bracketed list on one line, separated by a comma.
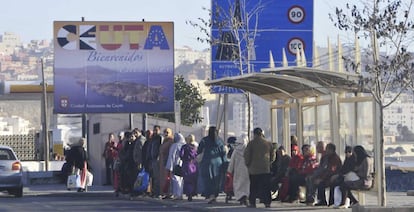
[(74, 181), (89, 179), (351, 176), (338, 198)]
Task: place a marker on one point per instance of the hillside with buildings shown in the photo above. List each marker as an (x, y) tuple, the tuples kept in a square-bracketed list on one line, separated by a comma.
[(20, 62)]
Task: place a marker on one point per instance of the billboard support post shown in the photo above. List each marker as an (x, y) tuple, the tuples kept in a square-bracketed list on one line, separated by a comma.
[(44, 118)]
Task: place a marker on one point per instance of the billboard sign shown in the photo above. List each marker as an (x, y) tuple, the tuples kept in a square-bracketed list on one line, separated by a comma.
[(113, 67), (284, 24)]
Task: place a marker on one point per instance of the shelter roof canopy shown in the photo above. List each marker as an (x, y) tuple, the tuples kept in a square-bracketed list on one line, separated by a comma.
[(291, 82)]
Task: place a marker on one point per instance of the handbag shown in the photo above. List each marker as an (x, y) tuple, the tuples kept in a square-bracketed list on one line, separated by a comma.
[(228, 183), (177, 170)]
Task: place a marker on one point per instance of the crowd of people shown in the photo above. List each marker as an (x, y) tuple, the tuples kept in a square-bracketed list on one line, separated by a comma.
[(178, 165)]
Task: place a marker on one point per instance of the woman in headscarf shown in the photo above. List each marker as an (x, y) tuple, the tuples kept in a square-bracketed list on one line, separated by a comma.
[(188, 155), (174, 161), (237, 166), (214, 152), (165, 178)]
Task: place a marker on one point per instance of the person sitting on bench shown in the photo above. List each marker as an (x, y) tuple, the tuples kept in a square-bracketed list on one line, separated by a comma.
[(364, 168)]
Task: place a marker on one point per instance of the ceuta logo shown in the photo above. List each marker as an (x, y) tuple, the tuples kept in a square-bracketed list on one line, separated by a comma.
[(64, 102)]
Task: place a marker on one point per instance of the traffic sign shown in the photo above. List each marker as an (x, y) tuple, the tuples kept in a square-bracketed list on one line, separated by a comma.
[(296, 14), (283, 24)]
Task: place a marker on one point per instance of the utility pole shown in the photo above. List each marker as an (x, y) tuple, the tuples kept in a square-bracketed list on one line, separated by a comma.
[(44, 118)]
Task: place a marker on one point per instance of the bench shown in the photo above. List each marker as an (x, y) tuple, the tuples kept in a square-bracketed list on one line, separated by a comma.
[(361, 192)]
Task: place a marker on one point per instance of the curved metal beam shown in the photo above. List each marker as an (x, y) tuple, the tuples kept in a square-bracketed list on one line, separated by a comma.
[(276, 84), (272, 87)]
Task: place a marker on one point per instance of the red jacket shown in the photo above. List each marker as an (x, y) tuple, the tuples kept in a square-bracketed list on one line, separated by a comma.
[(296, 162), (308, 166)]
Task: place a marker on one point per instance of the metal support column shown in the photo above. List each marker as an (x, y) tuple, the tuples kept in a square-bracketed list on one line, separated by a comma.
[(273, 123), (226, 117), (131, 121), (299, 121), (144, 121), (286, 124), (335, 137)]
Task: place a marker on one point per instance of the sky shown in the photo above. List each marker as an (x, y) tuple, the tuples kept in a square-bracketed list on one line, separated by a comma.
[(33, 20)]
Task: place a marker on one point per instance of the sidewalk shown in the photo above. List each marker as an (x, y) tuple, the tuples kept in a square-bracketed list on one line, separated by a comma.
[(395, 200)]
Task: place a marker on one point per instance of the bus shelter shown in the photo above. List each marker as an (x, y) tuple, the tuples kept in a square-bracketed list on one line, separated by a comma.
[(315, 105)]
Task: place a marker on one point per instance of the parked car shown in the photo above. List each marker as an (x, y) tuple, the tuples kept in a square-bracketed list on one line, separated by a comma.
[(11, 172)]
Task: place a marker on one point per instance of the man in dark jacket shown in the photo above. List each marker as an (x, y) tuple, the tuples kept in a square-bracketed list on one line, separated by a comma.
[(138, 148), (320, 179), (258, 156), (153, 155)]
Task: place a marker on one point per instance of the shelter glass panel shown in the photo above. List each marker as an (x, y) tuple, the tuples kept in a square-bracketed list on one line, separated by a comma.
[(309, 125), (347, 119), (279, 125), (293, 119), (324, 124), (365, 125)]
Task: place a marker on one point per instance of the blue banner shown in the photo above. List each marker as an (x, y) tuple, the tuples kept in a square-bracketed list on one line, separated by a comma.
[(284, 24)]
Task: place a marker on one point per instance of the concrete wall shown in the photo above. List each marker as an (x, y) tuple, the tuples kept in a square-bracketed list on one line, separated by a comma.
[(37, 166)]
